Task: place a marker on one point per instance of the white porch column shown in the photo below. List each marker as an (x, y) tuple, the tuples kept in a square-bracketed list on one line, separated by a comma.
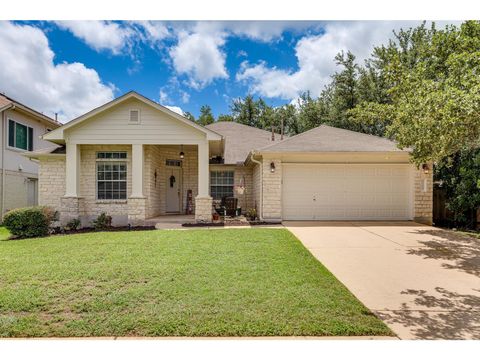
[(203, 175), (72, 166), (137, 171)]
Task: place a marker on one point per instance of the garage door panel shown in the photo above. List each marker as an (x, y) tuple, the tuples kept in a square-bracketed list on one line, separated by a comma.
[(346, 192)]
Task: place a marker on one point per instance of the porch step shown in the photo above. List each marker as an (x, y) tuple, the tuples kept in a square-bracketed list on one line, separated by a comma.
[(169, 219)]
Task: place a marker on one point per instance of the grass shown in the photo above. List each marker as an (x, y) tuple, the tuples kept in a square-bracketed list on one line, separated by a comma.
[(244, 282), (4, 233)]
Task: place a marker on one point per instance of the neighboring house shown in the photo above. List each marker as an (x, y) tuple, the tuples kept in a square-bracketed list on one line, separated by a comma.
[(21, 130), (135, 159)]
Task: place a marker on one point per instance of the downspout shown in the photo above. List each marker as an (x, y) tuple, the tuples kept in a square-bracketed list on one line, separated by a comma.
[(260, 215)]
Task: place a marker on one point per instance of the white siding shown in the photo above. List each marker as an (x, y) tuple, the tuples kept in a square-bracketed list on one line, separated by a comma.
[(13, 157), (113, 127)]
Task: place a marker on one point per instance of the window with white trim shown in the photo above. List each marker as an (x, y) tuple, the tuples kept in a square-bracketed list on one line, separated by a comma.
[(221, 184), (20, 136), (111, 175)]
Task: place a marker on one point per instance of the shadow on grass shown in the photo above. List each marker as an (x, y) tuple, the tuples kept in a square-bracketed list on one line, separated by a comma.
[(449, 315), (460, 251)]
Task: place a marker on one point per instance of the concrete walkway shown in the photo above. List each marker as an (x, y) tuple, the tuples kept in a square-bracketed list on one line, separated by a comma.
[(424, 282)]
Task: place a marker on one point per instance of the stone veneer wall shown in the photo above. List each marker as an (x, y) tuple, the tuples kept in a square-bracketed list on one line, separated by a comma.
[(242, 175), (51, 182), (204, 209), (423, 199), (272, 190), (155, 159), (72, 208), (136, 211), (118, 209), (256, 188), (51, 188)]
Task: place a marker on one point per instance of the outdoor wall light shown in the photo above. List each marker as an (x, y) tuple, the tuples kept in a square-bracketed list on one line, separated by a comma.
[(425, 168), (182, 154), (272, 167)]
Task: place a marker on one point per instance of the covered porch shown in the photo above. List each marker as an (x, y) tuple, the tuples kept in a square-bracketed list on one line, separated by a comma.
[(172, 221), (161, 179)]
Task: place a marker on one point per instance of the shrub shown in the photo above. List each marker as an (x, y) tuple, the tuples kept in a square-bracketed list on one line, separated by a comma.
[(30, 221), (251, 214), (102, 222), (73, 224)]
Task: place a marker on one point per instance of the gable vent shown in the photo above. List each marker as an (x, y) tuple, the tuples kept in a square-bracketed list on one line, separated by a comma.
[(135, 116)]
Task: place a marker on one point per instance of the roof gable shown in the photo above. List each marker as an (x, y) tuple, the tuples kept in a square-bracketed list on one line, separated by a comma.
[(58, 135), (331, 139), (9, 103)]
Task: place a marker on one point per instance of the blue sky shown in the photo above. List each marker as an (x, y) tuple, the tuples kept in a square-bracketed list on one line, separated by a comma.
[(70, 67)]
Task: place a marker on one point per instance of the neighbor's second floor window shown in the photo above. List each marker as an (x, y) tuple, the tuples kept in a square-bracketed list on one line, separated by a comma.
[(20, 136)]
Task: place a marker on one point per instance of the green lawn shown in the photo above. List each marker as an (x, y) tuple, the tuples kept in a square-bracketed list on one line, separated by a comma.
[(248, 282)]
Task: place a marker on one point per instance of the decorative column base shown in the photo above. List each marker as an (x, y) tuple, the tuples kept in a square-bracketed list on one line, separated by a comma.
[(137, 211), (203, 209), (70, 208)]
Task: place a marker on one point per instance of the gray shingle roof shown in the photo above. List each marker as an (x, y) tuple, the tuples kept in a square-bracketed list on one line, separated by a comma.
[(6, 100), (330, 139), (241, 139)]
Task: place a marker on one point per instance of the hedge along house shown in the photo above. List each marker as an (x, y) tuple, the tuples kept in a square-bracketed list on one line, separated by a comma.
[(135, 160)]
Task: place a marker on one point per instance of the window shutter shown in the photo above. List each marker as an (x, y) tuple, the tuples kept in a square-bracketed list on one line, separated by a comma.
[(30, 139), (11, 133)]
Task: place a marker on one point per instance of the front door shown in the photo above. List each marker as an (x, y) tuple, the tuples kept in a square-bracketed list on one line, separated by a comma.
[(174, 183)]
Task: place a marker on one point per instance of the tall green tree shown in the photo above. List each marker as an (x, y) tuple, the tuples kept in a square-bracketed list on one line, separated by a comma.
[(287, 116), (245, 111), (459, 175), (434, 103), (344, 93), (225, 117), (311, 112), (189, 116), (206, 116)]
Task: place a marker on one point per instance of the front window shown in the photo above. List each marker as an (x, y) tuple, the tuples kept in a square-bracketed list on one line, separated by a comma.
[(111, 176), (20, 136), (221, 184)]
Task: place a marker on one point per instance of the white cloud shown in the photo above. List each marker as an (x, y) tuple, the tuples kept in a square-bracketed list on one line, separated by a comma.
[(198, 54), (176, 109), (30, 75), (100, 35), (163, 96), (265, 31), (115, 36), (315, 57), (185, 97), (154, 30), (242, 53)]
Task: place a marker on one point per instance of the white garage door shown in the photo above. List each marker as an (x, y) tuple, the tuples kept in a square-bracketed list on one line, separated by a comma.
[(346, 192)]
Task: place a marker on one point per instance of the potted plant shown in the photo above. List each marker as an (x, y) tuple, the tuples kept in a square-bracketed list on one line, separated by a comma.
[(251, 214)]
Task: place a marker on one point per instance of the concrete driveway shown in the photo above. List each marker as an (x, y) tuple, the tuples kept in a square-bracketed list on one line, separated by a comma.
[(424, 282)]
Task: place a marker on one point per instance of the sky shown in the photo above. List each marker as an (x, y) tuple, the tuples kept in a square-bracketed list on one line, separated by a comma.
[(71, 67)]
